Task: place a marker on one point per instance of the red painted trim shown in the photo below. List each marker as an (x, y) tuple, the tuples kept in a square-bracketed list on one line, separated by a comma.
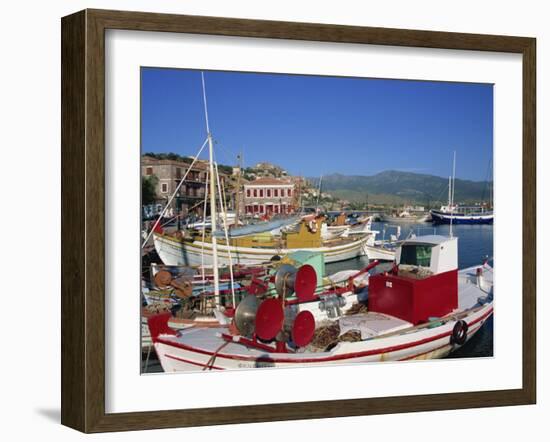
[(187, 361), (248, 342), (408, 358), (322, 359), (470, 332)]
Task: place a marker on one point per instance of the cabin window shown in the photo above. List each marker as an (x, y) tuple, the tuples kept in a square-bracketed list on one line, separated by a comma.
[(416, 255)]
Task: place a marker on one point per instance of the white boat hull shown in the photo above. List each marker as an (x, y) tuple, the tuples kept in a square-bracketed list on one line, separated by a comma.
[(195, 349), (427, 344), (379, 253), (174, 252)]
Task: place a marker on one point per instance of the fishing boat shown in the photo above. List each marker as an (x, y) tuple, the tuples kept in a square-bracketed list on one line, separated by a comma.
[(462, 215), (405, 217), (225, 247), (455, 214), (193, 249), (189, 302), (423, 308)]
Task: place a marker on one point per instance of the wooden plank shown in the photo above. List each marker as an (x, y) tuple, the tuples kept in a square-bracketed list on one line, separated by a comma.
[(73, 213), (144, 21), (529, 223)]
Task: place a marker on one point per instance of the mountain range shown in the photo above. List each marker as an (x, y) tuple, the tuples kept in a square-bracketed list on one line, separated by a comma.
[(397, 187)]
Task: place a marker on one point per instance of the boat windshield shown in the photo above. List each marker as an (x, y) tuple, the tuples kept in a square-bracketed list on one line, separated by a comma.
[(416, 255)]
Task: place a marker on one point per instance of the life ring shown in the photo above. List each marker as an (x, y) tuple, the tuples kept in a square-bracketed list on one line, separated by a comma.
[(460, 333)]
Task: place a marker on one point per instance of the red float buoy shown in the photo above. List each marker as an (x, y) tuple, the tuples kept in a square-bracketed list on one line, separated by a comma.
[(305, 283), (269, 319), (303, 328)]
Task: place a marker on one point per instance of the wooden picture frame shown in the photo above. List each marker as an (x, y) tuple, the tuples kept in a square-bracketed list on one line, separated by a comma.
[(83, 219)]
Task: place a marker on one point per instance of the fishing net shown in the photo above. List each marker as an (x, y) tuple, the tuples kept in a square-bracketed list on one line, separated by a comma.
[(356, 308), (156, 308), (327, 336)]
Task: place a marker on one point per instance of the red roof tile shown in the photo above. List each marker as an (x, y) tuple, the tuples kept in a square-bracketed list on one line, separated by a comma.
[(266, 181)]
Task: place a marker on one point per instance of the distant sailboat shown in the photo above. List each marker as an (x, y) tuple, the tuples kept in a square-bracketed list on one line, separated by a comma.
[(455, 214)]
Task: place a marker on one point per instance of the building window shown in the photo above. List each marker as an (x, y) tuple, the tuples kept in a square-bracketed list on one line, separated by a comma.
[(289, 192), (255, 193), (268, 193), (149, 171), (164, 187), (248, 193), (276, 192), (261, 193), (178, 173)]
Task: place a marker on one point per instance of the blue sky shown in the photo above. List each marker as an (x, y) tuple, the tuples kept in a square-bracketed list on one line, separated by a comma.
[(314, 126)]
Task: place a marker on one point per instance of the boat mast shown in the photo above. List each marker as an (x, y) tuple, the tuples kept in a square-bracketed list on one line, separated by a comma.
[(238, 193), (449, 198), (452, 195), (212, 200), (492, 185), (319, 194)]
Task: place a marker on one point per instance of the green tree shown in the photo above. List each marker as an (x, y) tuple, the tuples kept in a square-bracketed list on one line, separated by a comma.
[(148, 192)]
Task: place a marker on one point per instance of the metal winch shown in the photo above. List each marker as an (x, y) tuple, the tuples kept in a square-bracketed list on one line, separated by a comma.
[(332, 305)]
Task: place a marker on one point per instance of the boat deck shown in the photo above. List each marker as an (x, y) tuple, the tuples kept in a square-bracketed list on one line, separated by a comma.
[(383, 337), (468, 290)]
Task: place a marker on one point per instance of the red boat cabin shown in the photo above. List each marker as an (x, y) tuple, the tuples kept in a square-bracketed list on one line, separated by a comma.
[(422, 285)]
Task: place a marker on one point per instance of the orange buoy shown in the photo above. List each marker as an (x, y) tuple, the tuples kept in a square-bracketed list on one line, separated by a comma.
[(163, 278)]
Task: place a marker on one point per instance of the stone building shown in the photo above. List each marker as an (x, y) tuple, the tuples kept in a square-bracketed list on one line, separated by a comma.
[(266, 196), (169, 173)]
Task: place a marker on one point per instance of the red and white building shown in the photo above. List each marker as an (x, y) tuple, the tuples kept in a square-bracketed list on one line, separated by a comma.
[(267, 196)]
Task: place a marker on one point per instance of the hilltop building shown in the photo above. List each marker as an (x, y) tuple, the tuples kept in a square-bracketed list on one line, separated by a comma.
[(266, 196), (170, 172)]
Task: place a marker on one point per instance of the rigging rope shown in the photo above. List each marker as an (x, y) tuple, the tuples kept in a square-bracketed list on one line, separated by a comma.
[(174, 194), (204, 222), (223, 210)]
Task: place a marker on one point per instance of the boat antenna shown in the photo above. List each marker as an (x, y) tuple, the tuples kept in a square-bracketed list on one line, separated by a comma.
[(452, 195), (319, 194), (212, 198), (450, 188)]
